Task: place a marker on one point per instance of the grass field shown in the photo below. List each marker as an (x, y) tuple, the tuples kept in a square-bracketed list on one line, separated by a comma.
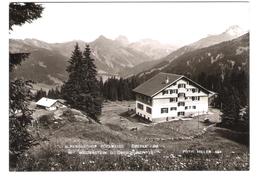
[(174, 145)]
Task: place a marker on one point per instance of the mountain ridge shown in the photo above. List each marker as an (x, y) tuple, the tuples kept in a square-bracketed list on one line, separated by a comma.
[(217, 59), (148, 67)]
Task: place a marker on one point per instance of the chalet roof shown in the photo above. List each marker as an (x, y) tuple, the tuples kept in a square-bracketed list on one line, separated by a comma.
[(46, 102), (156, 83)]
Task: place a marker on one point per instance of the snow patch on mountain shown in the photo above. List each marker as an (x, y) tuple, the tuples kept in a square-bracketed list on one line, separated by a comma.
[(235, 31)]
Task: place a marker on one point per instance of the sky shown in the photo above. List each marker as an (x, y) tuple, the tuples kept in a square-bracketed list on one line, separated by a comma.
[(171, 23)]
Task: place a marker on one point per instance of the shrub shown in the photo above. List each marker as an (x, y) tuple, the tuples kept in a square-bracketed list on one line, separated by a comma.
[(46, 120), (68, 114)]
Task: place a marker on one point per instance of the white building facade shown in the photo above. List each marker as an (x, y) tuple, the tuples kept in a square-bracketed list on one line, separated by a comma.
[(170, 96)]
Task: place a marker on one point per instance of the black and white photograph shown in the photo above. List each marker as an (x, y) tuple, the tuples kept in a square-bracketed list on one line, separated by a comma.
[(129, 86)]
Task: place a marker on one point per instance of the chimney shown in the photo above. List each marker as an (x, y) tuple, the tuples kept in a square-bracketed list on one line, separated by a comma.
[(167, 80)]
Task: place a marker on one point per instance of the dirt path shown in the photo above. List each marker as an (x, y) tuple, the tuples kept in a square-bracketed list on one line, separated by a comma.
[(111, 112)]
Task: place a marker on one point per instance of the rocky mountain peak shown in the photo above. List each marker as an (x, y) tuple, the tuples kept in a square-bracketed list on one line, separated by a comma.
[(122, 40), (235, 31)]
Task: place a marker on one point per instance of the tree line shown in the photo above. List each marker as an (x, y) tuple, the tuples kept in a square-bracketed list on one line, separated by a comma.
[(119, 89), (232, 99), (53, 93), (232, 94)]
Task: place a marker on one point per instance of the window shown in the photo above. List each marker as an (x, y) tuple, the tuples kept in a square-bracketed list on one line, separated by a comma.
[(180, 113), (164, 110), (173, 108), (140, 106), (193, 107), (165, 92), (194, 90), (181, 95), (173, 99), (181, 104), (195, 98), (186, 107), (173, 91), (182, 85), (149, 110)]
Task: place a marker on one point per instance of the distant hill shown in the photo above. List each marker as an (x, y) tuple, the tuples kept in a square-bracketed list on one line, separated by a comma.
[(150, 67), (216, 59), (231, 33), (116, 56), (153, 48), (47, 61), (119, 57), (43, 65)]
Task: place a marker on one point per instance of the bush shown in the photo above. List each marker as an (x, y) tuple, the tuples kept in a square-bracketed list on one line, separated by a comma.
[(68, 114), (46, 120)]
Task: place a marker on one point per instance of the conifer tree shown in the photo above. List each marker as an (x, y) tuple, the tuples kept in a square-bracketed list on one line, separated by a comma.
[(19, 90), (71, 89), (81, 90), (39, 94), (91, 84)]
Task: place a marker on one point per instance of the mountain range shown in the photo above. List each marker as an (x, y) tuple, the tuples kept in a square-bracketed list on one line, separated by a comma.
[(217, 59), (111, 56), (47, 61), (150, 66)]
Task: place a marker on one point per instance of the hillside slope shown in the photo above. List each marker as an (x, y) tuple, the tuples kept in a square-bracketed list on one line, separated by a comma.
[(47, 61), (216, 59), (149, 67)]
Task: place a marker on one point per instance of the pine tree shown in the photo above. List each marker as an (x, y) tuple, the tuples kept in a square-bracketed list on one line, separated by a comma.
[(51, 93), (71, 89), (39, 94), (57, 93), (91, 84), (101, 86), (81, 90), (19, 90), (202, 79), (231, 100)]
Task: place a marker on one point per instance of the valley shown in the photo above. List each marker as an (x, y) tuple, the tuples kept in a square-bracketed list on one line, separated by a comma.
[(47, 61)]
